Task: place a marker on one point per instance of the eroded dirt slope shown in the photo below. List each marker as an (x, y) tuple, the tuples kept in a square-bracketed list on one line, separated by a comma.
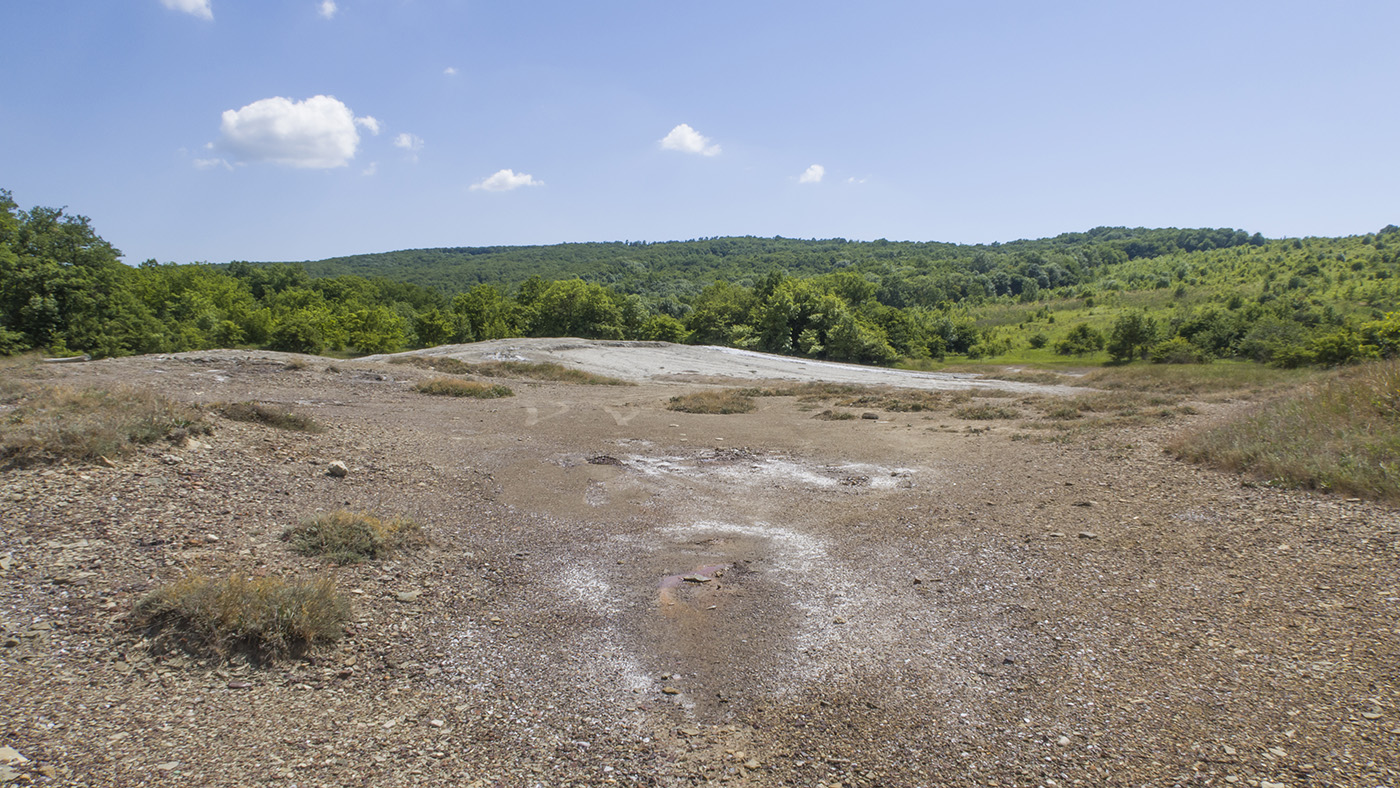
[(622, 593)]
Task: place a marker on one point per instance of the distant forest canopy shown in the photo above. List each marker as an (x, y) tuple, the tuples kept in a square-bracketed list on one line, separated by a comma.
[(1109, 294)]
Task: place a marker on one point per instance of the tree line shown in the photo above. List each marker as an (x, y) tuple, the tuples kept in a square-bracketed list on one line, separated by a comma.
[(1125, 293)]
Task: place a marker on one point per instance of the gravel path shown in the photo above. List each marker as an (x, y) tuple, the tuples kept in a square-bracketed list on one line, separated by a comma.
[(622, 594)]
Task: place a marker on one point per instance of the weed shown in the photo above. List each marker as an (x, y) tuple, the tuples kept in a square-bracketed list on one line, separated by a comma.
[(452, 387), (722, 402), (55, 423), (835, 415), (1340, 434), (296, 365), (263, 414), (351, 537), (545, 370), (263, 618)]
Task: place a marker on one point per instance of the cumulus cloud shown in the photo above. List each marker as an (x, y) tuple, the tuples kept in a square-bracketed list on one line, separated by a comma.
[(328, 9), (450, 71), (199, 8), (317, 133), (505, 180), (813, 174), (687, 140), (369, 123)]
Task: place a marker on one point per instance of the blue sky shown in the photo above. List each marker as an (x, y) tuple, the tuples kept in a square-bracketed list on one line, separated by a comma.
[(215, 130)]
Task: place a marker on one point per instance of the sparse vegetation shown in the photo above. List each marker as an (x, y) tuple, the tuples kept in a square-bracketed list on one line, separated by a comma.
[(258, 413), (261, 618), (715, 402), (835, 415), (529, 370), (986, 412), (347, 537), (1340, 434), (54, 423), (452, 387)]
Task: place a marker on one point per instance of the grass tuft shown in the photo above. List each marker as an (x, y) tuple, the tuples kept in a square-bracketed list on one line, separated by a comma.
[(986, 412), (835, 415), (452, 387), (42, 424), (718, 402), (347, 537), (1341, 434), (530, 370), (257, 413), (262, 618)]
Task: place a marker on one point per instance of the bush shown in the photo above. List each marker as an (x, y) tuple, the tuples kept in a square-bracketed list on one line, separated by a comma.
[(451, 387), (55, 423), (263, 618), (262, 414), (714, 402), (1177, 350), (1082, 340), (351, 537)]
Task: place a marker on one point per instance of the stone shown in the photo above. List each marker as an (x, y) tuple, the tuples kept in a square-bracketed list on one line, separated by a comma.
[(1063, 741), (1088, 535), (696, 579), (670, 691), (870, 416), (337, 470), (751, 764), (1268, 784), (408, 596), (11, 756)]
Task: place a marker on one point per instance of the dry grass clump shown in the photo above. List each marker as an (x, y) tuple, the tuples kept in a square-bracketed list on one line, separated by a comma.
[(986, 412), (1341, 434), (445, 364), (809, 391), (530, 370), (452, 387), (347, 537), (258, 413), (835, 415), (262, 618), (55, 423), (1220, 379), (724, 401), (545, 370)]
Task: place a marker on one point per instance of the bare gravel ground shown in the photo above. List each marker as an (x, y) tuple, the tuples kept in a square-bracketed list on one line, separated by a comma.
[(622, 594)]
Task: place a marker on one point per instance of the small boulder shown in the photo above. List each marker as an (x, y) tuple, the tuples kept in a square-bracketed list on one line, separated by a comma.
[(337, 470)]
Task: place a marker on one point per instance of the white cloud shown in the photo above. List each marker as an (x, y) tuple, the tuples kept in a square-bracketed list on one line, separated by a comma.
[(450, 71), (199, 8), (813, 174), (371, 169), (687, 140), (316, 133), (409, 142), (209, 164), (505, 180), (328, 9), (370, 123)]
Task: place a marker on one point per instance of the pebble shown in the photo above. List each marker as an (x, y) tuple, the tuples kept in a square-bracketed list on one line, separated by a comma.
[(408, 596), (338, 470), (1088, 535), (1063, 741), (670, 691), (11, 756)]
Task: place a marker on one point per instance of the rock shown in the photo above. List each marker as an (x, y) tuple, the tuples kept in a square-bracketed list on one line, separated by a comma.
[(1229, 750), (670, 691), (1063, 741), (1371, 715), (696, 579), (1088, 535), (408, 596), (751, 764), (1267, 784), (239, 685), (1057, 534), (870, 416), (11, 756), (337, 470)]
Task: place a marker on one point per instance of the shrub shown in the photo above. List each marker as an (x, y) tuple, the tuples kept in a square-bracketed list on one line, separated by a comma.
[(351, 537), (451, 387), (1081, 340), (715, 402), (55, 423), (1177, 350), (835, 415), (262, 414), (262, 618)]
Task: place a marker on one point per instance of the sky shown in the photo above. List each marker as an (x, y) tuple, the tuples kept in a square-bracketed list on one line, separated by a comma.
[(219, 130)]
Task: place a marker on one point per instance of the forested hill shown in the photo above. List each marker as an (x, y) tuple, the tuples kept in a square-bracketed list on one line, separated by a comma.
[(682, 268)]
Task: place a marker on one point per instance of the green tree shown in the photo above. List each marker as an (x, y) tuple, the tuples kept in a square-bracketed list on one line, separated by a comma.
[(1132, 336)]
